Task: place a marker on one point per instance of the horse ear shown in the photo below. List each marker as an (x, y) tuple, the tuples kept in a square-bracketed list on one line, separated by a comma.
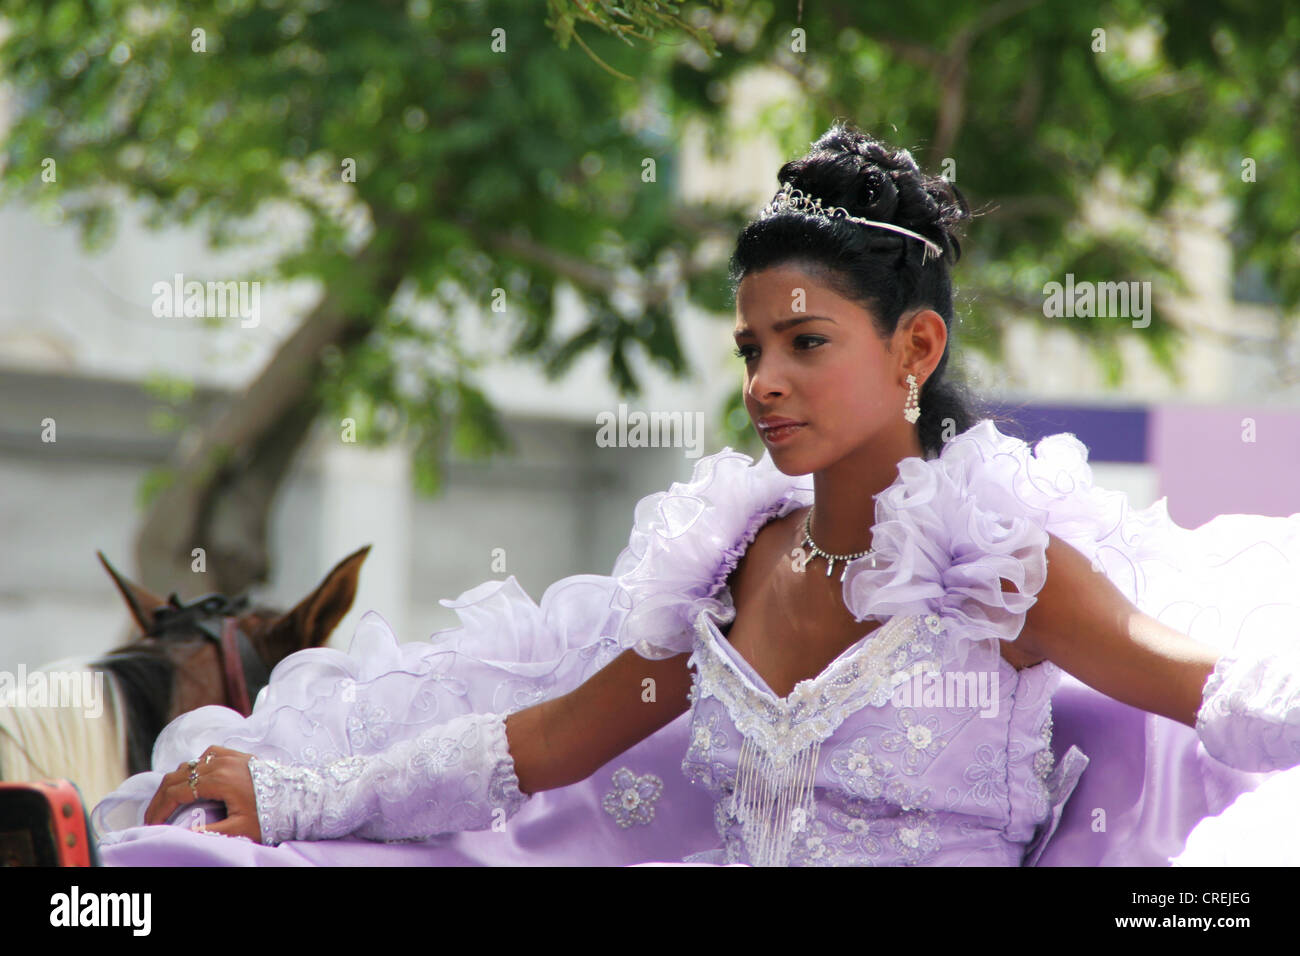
[(139, 601), (312, 621)]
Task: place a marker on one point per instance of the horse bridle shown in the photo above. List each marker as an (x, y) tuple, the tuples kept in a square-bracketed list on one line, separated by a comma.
[(243, 670)]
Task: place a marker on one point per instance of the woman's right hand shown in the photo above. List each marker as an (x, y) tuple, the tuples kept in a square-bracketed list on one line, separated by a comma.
[(223, 775)]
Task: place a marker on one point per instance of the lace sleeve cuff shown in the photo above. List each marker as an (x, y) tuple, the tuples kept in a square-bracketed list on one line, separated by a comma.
[(456, 776), (270, 781), (1250, 710)]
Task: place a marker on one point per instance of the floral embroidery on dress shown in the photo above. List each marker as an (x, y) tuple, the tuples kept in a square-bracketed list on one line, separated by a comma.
[(727, 827), (435, 756), (701, 764), (987, 774), (862, 827), (368, 726), (813, 846), (633, 799), (864, 774), (919, 738), (867, 775), (907, 798), (705, 736), (915, 838)]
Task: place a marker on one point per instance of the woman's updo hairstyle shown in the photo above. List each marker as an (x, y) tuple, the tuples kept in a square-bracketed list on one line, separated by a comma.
[(880, 269)]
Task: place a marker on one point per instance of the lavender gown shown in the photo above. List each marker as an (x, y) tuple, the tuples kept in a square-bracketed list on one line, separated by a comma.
[(918, 745)]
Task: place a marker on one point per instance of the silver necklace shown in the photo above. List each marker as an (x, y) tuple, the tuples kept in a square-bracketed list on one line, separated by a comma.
[(830, 558)]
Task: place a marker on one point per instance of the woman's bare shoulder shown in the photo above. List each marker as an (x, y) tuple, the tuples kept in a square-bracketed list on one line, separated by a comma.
[(768, 547)]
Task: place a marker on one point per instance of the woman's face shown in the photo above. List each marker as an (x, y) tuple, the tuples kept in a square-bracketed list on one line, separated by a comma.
[(816, 358)]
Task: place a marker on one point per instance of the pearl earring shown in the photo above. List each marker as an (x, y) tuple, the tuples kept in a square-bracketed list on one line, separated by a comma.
[(911, 407)]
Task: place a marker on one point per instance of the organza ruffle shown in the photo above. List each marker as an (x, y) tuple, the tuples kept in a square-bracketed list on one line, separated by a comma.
[(941, 550), (687, 540), (951, 529)]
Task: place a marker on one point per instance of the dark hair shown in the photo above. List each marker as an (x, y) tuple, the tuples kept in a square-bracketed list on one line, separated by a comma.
[(881, 269)]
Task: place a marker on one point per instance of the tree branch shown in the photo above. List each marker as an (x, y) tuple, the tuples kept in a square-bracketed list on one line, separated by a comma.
[(952, 80), (582, 272), (222, 477)]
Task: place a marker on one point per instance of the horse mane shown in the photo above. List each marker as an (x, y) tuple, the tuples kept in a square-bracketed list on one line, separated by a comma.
[(143, 676), (38, 743)]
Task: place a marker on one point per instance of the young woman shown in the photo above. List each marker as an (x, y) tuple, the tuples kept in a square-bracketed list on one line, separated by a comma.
[(854, 643)]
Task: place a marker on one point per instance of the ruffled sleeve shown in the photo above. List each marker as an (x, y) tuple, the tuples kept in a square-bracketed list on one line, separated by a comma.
[(950, 529), (686, 541)]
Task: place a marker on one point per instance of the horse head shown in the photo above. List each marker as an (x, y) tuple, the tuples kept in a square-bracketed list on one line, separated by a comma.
[(213, 649)]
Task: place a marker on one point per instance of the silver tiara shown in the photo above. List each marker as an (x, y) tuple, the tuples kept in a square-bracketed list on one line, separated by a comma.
[(797, 199)]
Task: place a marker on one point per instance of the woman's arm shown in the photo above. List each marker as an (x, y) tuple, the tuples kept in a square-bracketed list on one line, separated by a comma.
[(561, 741), (455, 776), (1086, 625)]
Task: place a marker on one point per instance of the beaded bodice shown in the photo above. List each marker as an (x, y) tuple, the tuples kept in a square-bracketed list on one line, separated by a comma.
[(890, 756)]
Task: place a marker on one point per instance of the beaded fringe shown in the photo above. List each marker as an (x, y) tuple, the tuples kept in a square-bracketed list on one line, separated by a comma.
[(767, 798)]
